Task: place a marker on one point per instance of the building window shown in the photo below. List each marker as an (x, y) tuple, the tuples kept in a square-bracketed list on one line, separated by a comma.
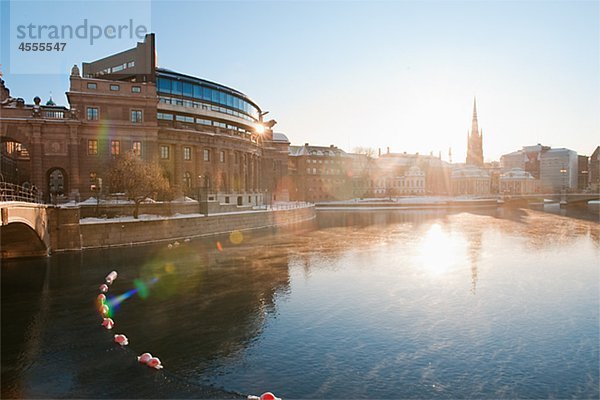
[(137, 148), (222, 156), (136, 116), (92, 147), (187, 153), (92, 113), (92, 85), (168, 117), (136, 89), (206, 155), (187, 180), (115, 88), (115, 147), (164, 152)]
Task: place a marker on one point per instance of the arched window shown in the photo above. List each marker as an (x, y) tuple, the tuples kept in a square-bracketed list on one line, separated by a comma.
[(56, 182)]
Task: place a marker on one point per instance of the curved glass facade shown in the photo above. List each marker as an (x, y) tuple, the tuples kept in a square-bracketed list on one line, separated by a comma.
[(220, 98)]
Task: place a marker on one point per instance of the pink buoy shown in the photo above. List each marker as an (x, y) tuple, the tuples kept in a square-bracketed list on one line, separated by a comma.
[(101, 299), (110, 278), (108, 323), (144, 358), (155, 363), (104, 288), (104, 310), (121, 339), (268, 396)]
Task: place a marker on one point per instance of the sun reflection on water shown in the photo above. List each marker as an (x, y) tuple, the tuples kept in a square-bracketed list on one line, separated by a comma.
[(439, 251)]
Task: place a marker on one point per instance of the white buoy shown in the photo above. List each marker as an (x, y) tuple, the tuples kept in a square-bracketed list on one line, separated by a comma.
[(144, 358), (121, 339), (155, 363), (108, 323), (104, 310), (110, 278), (103, 288)]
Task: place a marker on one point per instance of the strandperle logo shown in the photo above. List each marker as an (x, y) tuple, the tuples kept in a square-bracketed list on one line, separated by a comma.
[(83, 31)]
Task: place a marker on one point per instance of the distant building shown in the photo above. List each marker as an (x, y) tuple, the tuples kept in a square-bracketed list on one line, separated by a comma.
[(594, 170), (528, 159), (436, 172), (518, 181), (470, 180), (582, 172), (411, 182), (319, 173), (558, 170), (475, 141), (277, 174)]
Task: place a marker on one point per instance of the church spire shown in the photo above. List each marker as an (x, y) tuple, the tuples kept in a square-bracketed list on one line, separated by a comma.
[(475, 139), (474, 124)]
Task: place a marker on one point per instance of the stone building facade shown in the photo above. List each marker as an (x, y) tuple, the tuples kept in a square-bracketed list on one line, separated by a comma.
[(208, 137)]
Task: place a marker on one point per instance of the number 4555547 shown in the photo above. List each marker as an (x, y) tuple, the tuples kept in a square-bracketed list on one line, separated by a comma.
[(24, 46)]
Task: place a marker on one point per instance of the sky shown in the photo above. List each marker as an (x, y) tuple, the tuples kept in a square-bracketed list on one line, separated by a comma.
[(397, 74)]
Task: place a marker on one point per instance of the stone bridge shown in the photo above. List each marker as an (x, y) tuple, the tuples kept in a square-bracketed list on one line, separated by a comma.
[(24, 230), (33, 230)]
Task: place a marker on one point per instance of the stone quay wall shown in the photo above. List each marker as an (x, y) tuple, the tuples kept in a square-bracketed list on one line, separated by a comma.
[(100, 234)]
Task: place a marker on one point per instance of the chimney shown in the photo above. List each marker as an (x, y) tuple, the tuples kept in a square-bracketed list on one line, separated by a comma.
[(388, 150), (379, 151)]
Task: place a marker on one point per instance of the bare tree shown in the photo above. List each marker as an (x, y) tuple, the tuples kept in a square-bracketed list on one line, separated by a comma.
[(367, 151), (138, 179)]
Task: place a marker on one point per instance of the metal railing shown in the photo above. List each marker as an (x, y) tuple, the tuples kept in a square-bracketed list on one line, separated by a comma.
[(12, 192)]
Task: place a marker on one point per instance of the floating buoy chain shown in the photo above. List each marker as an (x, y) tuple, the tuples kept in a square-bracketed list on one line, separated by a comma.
[(108, 323)]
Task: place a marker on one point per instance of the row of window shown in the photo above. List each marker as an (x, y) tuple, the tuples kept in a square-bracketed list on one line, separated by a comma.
[(401, 183), (93, 114), (315, 171), (114, 87), (204, 106), (196, 91), (116, 68), (190, 120), (165, 150), (115, 147), (323, 161)]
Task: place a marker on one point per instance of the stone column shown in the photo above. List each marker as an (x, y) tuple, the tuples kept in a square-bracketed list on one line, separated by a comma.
[(36, 156), (73, 152), (177, 172)]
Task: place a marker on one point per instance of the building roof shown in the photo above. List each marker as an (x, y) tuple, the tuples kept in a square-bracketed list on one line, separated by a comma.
[(280, 137), (517, 173), (308, 150)]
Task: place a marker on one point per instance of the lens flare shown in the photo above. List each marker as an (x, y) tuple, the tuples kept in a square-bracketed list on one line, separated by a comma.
[(236, 237), (219, 246), (169, 268)]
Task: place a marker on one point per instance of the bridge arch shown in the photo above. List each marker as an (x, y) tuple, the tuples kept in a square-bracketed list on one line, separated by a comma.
[(24, 230)]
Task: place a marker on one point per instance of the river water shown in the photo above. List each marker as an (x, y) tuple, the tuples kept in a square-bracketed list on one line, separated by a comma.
[(396, 304)]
